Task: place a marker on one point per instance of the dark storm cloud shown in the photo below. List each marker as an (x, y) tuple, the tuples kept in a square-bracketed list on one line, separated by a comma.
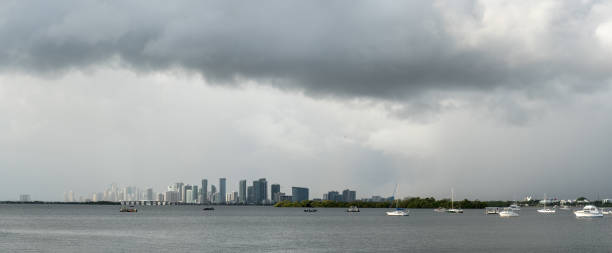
[(385, 49)]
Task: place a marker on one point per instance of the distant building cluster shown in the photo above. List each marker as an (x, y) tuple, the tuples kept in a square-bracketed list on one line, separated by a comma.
[(346, 196), (255, 193), (25, 198)]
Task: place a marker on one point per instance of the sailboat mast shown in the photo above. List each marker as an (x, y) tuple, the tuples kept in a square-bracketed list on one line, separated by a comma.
[(452, 198)]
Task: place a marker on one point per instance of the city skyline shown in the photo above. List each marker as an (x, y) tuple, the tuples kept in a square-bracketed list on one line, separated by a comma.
[(496, 99)]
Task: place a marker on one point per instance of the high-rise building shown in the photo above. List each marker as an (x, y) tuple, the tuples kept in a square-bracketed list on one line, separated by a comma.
[(24, 198), (160, 197), (242, 192), (194, 192), (149, 194), (222, 189), (261, 191), (349, 196), (188, 195), (185, 194), (299, 193), (274, 191), (172, 196), (251, 195), (334, 196), (179, 187), (204, 191)]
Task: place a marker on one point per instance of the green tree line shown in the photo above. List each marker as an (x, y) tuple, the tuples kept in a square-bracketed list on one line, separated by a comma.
[(406, 203)]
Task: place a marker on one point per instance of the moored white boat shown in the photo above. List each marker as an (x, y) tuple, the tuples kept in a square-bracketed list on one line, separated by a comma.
[(545, 209), (453, 209), (399, 212), (508, 212), (588, 212), (606, 211), (515, 207)]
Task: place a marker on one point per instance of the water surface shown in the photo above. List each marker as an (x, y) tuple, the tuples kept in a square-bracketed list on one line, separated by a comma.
[(89, 228)]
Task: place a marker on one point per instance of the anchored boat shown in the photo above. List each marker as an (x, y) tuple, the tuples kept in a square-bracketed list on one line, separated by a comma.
[(588, 212), (353, 209), (125, 209)]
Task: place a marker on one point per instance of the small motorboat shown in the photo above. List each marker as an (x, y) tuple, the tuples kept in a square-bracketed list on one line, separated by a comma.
[(353, 209), (399, 212), (210, 208), (125, 209), (589, 212), (492, 210), (547, 210), (440, 210), (606, 211), (567, 208), (508, 212), (310, 210), (515, 207)]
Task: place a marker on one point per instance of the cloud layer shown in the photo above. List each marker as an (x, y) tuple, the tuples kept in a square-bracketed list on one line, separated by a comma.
[(390, 49)]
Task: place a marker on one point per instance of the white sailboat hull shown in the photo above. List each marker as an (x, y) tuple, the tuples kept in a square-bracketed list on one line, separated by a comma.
[(546, 210), (398, 213), (508, 214)]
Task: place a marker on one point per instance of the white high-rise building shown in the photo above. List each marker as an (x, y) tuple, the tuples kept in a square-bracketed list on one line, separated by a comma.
[(188, 196)]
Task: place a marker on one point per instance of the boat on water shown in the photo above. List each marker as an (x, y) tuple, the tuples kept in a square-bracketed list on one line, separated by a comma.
[(508, 212), (440, 210), (515, 207), (492, 210), (208, 208), (125, 209), (589, 212), (453, 209), (566, 208), (353, 209), (606, 211), (310, 210), (398, 211), (546, 210)]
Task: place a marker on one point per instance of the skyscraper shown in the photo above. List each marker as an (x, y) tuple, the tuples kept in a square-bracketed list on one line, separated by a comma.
[(334, 196), (204, 191), (242, 192), (299, 193), (222, 190), (149, 194), (188, 195), (261, 191), (211, 194), (185, 194), (274, 191), (264, 190), (348, 195), (251, 195), (179, 187), (194, 191)]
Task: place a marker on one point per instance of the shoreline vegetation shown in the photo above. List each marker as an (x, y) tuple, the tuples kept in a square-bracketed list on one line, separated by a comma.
[(417, 202), (406, 203)]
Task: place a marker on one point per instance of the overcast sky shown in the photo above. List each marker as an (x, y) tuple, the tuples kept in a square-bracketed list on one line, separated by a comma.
[(497, 99)]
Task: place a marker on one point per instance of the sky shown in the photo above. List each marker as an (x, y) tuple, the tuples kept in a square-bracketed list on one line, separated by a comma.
[(496, 99)]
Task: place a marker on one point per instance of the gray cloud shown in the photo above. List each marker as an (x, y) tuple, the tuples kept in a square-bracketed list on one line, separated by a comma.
[(385, 50)]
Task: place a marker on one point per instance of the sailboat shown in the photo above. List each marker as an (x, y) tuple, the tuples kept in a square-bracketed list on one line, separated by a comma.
[(398, 211), (453, 209), (547, 210)]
